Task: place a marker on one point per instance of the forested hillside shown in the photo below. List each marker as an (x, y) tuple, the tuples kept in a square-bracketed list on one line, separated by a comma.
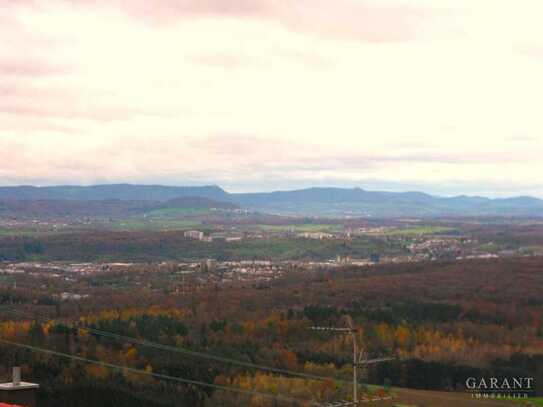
[(442, 322)]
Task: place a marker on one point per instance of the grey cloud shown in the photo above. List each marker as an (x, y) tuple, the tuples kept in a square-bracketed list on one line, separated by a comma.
[(228, 158)]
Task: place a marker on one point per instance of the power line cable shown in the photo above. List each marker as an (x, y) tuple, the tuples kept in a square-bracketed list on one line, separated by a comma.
[(156, 375), (168, 348)]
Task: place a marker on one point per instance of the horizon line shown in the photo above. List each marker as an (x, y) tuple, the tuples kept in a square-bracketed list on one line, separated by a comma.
[(216, 185)]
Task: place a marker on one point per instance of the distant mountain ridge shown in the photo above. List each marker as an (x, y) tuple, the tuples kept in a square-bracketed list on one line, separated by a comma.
[(357, 201), (310, 201), (124, 192), (59, 208)]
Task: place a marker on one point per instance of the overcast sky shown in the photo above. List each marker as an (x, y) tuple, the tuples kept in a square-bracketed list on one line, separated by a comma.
[(440, 96)]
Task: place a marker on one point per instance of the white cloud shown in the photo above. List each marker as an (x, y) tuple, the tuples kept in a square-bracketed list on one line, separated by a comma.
[(252, 93)]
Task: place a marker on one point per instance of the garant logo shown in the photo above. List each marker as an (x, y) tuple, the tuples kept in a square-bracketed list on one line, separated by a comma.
[(506, 387)]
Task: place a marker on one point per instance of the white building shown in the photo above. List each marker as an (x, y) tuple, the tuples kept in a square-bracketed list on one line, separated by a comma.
[(194, 234), (316, 235)]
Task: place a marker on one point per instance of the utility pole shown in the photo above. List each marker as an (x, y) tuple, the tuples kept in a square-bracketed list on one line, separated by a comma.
[(358, 358)]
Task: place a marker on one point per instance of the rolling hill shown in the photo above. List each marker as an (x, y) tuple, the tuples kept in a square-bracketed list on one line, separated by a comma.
[(126, 198), (109, 208), (359, 202), (125, 192)]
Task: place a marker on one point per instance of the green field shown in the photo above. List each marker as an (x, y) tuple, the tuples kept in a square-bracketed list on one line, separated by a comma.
[(287, 249), (301, 228), (145, 224), (178, 212), (405, 397), (27, 231), (417, 230), (536, 401)]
